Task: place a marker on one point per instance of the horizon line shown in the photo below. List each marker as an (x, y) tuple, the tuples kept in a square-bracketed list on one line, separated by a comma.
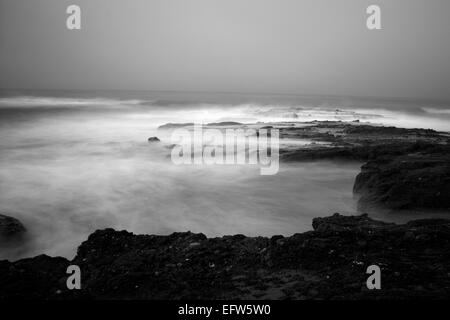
[(398, 98)]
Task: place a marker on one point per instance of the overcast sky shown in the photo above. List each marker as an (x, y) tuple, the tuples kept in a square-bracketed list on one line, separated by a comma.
[(267, 46)]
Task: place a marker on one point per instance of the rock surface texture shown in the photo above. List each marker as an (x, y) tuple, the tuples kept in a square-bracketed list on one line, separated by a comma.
[(329, 262), (409, 181)]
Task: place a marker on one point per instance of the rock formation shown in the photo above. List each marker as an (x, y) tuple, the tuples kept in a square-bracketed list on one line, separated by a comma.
[(329, 262), (11, 230)]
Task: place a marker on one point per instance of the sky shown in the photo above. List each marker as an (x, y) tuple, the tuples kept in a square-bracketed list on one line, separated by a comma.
[(259, 46)]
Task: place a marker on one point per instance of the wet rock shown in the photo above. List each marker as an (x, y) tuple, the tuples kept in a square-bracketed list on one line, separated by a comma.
[(413, 181), (194, 244), (224, 123), (381, 130), (169, 126), (339, 223), (34, 278), (405, 169), (11, 230), (276, 239), (329, 262), (353, 141), (153, 139)]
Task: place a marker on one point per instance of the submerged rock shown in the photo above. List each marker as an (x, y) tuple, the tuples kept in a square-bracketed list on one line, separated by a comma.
[(11, 230), (175, 125), (153, 139), (224, 123)]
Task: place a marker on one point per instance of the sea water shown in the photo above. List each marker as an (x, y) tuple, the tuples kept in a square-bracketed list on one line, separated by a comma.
[(74, 162)]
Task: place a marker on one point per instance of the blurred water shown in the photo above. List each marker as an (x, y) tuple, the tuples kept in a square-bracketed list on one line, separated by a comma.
[(69, 166)]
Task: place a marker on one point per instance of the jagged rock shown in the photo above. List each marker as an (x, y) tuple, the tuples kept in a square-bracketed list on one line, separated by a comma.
[(339, 223), (350, 141), (41, 277), (413, 181), (327, 263), (406, 168)]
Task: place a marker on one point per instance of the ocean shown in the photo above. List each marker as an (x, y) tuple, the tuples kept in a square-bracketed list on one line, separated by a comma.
[(73, 162)]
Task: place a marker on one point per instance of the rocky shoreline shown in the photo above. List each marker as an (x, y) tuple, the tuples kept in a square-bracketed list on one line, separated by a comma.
[(329, 262), (404, 169)]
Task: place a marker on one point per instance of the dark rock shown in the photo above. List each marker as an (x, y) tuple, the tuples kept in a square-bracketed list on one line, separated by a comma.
[(363, 152), (327, 263), (350, 141), (11, 230), (41, 277), (380, 130), (153, 139), (175, 125), (405, 169), (339, 223), (413, 181), (224, 123), (275, 239)]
